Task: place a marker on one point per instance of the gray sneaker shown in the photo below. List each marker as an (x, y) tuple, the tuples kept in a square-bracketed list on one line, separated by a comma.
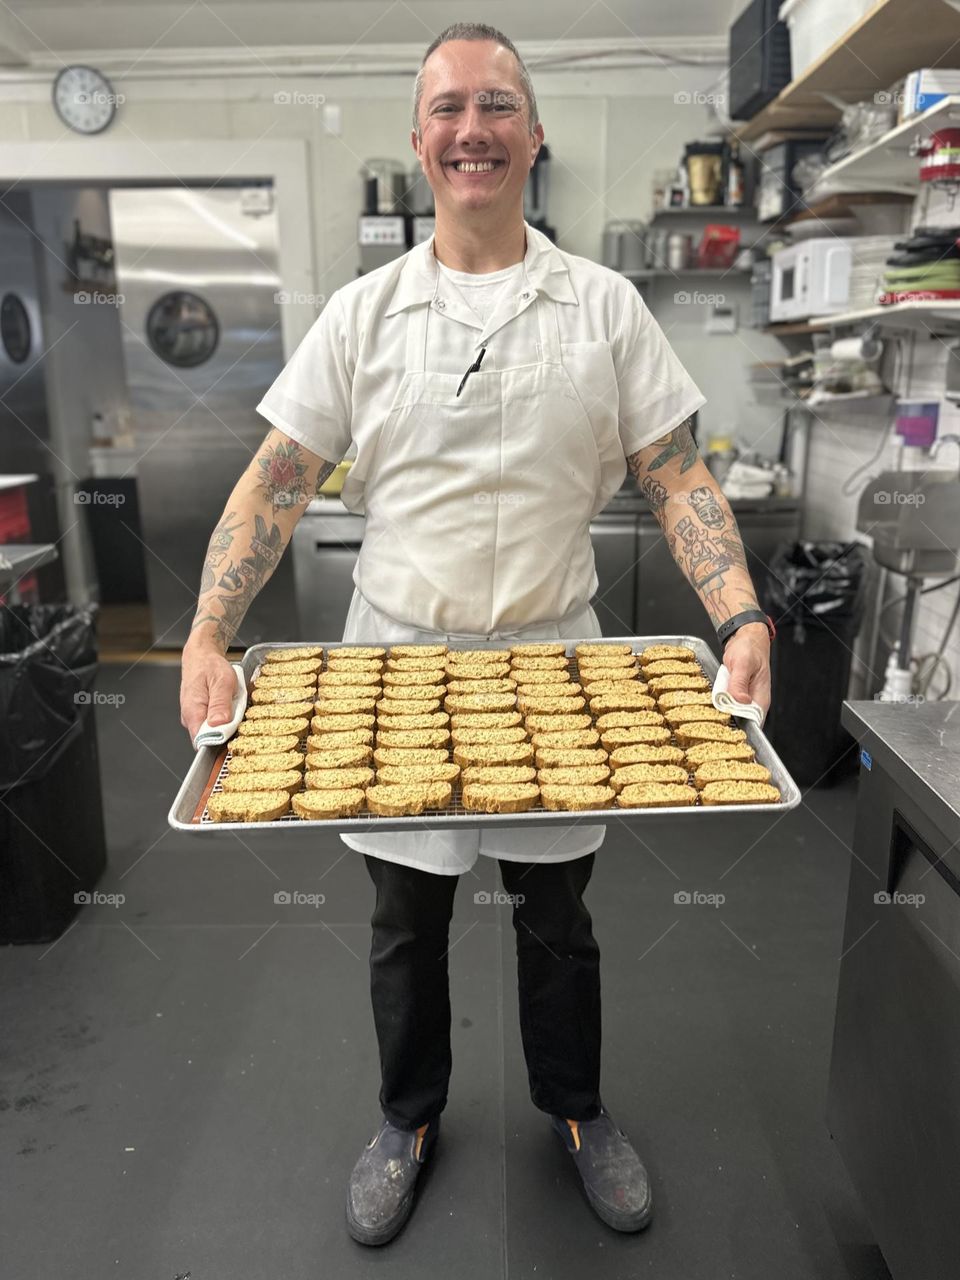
[(613, 1177), (380, 1196)]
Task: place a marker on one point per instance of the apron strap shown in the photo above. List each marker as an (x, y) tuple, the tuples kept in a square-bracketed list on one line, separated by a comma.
[(416, 355)]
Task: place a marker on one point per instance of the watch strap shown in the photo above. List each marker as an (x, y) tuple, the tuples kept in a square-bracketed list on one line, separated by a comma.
[(726, 629)]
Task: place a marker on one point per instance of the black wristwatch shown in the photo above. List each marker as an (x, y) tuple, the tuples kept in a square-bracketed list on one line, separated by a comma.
[(726, 629)]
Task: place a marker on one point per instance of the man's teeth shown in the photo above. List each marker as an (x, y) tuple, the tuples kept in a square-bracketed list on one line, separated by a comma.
[(474, 166)]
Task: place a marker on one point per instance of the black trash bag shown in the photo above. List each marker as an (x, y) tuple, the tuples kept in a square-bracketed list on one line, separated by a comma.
[(817, 584), (48, 662)]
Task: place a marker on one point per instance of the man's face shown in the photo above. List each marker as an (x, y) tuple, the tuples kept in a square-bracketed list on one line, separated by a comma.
[(475, 147)]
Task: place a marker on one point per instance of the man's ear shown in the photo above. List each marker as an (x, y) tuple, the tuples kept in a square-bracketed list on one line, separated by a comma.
[(415, 142), (536, 141)]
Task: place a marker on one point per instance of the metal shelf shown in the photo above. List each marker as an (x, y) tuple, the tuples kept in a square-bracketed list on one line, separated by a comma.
[(916, 317)]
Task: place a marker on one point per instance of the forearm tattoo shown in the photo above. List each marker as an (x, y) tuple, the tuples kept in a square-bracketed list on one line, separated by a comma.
[(697, 522), (281, 474), (238, 584)]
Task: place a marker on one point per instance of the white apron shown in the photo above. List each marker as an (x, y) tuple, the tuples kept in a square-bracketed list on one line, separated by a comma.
[(478, 510)]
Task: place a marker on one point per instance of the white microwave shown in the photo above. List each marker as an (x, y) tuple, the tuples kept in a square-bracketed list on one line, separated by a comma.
[(810, 279)]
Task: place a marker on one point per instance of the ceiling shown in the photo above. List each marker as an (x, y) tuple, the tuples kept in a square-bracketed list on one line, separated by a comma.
[(41, 31)]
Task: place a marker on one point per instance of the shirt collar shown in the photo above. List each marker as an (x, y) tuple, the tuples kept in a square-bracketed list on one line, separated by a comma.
[(543, 264)]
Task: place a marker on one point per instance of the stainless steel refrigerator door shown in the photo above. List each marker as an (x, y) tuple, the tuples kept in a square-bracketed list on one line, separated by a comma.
[(201, 340)]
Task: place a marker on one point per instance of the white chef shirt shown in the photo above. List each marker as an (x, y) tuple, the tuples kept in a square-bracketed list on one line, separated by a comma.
[(340, 383)]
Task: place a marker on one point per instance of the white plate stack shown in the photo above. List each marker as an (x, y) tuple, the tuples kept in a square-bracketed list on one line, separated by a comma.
[(867, 268)]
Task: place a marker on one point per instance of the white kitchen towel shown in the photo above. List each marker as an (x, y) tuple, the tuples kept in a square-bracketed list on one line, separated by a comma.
[(724, 702), (216, 735)]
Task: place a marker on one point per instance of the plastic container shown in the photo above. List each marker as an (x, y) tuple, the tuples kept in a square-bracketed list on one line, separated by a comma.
[(815, 25)]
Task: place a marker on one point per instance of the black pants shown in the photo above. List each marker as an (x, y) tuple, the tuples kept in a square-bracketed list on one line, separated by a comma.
[(558, 972)]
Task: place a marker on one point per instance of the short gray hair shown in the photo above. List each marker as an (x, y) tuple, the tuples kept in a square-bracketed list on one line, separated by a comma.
[(476, 31)]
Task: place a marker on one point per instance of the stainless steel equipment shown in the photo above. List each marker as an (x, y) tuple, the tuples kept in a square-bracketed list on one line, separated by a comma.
[(382, 237), (914, 520), (197, 271), (625, 245), (384, 186), (892, 1100), (679, 250), (24, 428), (189, 807), (326, 543), (614, 538)]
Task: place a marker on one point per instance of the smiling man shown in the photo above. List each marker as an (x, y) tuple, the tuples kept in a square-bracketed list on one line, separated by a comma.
[(497, 390)]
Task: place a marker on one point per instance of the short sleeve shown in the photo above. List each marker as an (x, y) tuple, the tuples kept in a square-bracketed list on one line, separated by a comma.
[(656, 392), (311, 399)]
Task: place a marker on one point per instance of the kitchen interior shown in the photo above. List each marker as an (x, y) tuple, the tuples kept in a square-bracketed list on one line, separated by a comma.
[(184, 188)]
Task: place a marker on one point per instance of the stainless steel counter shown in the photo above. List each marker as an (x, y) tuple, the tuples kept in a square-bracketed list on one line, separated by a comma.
[(893, 1103)]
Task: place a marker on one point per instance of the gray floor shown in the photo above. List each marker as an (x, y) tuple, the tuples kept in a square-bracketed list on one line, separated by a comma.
[(187, 1079)]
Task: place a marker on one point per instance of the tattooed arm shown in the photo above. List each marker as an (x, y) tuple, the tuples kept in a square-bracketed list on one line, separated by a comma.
[(703, 538), (245, 548)]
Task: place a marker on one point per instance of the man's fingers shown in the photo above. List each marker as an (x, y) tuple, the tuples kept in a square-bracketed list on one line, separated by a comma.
[(222, 687)]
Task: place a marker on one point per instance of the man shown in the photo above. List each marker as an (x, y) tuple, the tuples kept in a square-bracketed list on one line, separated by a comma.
[(496, 390)]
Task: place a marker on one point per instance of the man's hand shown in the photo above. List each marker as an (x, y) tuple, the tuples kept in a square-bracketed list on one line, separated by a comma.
[(207, 686), (746, 655)]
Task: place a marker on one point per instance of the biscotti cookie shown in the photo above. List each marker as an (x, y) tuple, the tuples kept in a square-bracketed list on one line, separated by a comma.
[(730, 771), (555, 689), (340, 758), (350, 678), (334, 741), (394, 800), (538, 662), (477, 670), (536, 723), (344, 779), (248, 806), (355, 664), (499, 774), (601, 650), (493, 753), (357, 651), (486, 720), (569, 757), (643, 753), (288, 693), (567, 738), (402, 774), (457, 702), (634, 773), (272, 728), (667, 684), (688, 735), (575, 798), (254, 744), (541, 675), (426, 675), (310, 667), (468, 736), (666, 653), (429, 720), (684, 698), (605, 702), (472, 656), (406, 692), (656, 795), (543, 705), (699, 715), (414, 664), (288, 780), (500, 797), (608, 661), (628, 719), (294, 654), (739, 793), (545, 649), (342, 724), (670, 668), (587, 775), (496, 684), (397, 708), (408, 755), (274, 762), (329, 802), (413, 737), (286, 711), (705, 751), (652, 734), (418, 651)]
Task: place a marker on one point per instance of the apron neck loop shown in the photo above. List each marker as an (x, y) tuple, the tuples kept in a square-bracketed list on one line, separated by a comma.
[(416, 353)]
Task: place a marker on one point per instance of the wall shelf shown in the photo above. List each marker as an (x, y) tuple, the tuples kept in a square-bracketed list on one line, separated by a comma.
[(886, 164), (663, 273), (889, 41), (909, 317), (719, 211)]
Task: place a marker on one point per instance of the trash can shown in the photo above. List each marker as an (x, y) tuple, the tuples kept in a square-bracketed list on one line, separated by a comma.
[(52, 840), (815, 594)]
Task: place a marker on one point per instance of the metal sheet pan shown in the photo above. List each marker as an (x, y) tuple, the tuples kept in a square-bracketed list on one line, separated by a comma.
[(188, 812)]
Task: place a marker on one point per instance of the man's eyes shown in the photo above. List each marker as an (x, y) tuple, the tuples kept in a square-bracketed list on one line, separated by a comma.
[(447, 107)]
